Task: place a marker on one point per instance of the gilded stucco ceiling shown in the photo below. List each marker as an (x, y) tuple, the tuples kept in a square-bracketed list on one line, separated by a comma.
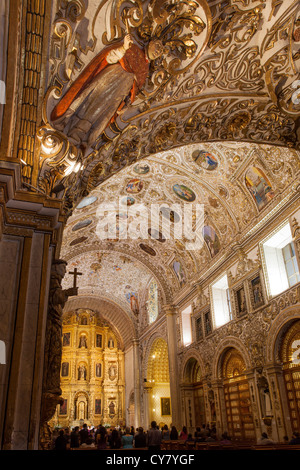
[(212, 119), (221, 176), (228, 71)]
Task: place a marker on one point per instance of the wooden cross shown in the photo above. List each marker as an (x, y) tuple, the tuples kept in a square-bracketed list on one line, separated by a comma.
[(75, 274)]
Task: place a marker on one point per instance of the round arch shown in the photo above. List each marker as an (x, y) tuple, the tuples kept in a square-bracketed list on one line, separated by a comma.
[(110, 312), (192, 354), (222, 349), (277, 331)]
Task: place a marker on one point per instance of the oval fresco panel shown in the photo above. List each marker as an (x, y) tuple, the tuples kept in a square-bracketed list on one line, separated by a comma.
[(134, 186), (82, 224), (147, 249), (170, 214), (128, 201), (141, 168), (156, 235), (184, 193), (87, 201), (77, 241)]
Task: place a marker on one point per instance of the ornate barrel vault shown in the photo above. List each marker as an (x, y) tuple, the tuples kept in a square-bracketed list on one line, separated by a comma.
[(134, 105)]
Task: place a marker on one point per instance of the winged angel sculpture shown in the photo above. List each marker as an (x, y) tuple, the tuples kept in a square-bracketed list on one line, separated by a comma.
[(140, 47)]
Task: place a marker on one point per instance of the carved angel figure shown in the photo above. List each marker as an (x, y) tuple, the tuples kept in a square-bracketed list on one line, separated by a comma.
[(111, 81)]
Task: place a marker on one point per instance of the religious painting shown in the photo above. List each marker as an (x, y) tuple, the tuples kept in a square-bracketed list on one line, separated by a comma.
[(63, 409), (66, 339), (259, 187), (178, 269), (156, 235), (65, 369), (134, 186), (165, 405), (256, 293), (152, 305), (169, 214), (212, 240), (98, 370), (147, 249), (241, 302), (184, 193), (205, 159), (82, 224), (132, 299), (207, 323), (128, 201), (83, 321), (99, 341), (141, 168), (77, 241), (198, 325), (116, 229), (87, 201), (98, 406)]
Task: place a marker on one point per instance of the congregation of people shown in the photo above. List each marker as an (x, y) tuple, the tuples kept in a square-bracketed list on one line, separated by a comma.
[(103, 438)]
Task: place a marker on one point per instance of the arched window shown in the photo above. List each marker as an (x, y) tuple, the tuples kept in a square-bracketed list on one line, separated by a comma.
[(152, 301)]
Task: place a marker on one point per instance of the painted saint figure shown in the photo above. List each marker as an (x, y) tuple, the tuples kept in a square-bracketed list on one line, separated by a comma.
[(111, 81)]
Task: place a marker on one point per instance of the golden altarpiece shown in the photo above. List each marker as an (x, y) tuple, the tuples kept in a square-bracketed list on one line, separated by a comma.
[(92, 372)]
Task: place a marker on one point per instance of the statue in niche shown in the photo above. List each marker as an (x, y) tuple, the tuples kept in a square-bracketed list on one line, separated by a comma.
[(112, 372), (82, 342), (264, 396), (53, 348), (109, 83), (112, 408), (81, 373)]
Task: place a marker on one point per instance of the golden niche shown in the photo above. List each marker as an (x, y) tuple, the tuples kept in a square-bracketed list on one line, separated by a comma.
[(92, 373)]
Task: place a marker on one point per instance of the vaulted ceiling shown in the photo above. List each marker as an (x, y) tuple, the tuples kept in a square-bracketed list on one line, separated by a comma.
[(228, 72), (215, 123)]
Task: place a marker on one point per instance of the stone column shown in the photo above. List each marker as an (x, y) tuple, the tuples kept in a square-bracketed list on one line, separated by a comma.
[(27, 248), (254, 398), (216, 398), (137, 383), (170, 312), (147, 404), (281, 424)]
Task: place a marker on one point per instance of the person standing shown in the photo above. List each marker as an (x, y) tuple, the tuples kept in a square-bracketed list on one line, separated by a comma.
[(127, 440), (61, 441), (75, 438), (154, 438), (84, 434), (140, 439)]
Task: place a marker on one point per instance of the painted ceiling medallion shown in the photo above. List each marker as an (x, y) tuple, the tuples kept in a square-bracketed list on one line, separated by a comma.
[(205, 159), (128, 201), (184, 193), (77, 241), (141, 168), (156, 235), (134, 186), (82, 224), (87, 201), (169, 214), (147, 249)]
